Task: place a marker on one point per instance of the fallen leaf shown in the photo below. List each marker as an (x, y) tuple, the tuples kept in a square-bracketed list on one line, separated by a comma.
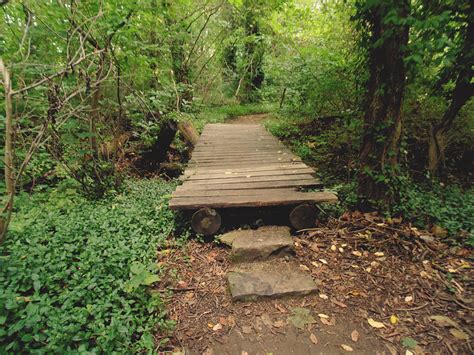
[(346, 347), (393, 319), (379, 253), (355, 335), (333, 248), (323, 261), (217, 327), (304, 267), (246, 329), (375, 324), (337, 303), (408, 352), (279, 324), (408, 342), (323, 296), (357, 253), (341, 250), (459, 334), (323, 316), (301, 317), (444, 321), (210, 325), (327, 322), (315, 264), (313, 338), (408, 299)]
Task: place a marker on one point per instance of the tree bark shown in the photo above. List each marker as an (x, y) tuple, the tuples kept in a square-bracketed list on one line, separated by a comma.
[(8, 158), (463, 91), (382, 118)]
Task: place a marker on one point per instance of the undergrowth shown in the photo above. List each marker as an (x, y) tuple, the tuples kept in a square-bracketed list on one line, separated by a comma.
[(74, 273), (329, 148)]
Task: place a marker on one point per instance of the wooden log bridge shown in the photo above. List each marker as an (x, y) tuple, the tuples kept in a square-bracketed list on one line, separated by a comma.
[(242, 165)]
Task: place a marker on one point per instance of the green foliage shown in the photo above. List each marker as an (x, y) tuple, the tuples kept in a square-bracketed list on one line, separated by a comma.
[(449, 207), (74, 273)]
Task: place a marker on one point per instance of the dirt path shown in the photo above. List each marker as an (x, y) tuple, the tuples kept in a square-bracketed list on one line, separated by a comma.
[(249, 119), (382, 288)]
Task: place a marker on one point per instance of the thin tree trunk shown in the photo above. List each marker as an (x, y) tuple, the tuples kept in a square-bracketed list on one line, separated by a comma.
[(382, 119), (463, 91), (8, 158)]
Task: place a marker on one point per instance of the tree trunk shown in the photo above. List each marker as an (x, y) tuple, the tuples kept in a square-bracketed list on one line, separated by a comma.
[(463, 91), (8, 158), (382, 118)]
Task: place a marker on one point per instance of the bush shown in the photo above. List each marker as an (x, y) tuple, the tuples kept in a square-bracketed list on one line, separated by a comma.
[(446, 206), (74, 272)]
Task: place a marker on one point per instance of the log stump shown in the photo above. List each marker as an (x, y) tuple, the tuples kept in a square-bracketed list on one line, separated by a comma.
[(303, 216), (206, 221)]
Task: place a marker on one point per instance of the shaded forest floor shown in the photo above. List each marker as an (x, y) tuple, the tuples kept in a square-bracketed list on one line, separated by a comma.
[(384, 287)]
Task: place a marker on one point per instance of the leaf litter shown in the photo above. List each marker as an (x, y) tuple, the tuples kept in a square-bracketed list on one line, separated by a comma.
[(436, 276)]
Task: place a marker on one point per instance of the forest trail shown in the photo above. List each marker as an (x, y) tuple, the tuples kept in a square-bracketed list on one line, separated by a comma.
[(379, 290), (249, 119)]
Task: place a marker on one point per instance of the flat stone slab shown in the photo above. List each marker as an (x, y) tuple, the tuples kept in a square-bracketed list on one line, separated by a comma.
[(270, 279), (262, 244)]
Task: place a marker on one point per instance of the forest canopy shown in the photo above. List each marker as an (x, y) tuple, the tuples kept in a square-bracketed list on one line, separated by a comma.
[(97, 95)]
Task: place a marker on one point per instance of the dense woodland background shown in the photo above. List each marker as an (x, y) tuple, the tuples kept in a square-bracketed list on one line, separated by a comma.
[(96, 95)]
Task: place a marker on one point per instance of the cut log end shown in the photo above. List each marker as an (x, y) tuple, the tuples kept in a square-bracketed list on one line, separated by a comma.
[(303, 216), (206, 221)]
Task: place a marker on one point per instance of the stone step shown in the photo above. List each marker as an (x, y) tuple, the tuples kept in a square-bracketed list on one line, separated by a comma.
[(261, 244), (271, 279)]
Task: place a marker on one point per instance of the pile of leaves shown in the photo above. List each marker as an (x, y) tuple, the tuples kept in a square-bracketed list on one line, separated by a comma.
[(415, 290), (74, 273)]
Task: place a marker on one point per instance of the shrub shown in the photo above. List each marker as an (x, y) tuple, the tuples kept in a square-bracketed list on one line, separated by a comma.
[(74, 272)]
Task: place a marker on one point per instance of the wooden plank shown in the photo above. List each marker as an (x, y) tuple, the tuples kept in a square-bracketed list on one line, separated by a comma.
[(253, 185), (269, 199), (225, 192), (282, 167), (204, 176), (245, 179)]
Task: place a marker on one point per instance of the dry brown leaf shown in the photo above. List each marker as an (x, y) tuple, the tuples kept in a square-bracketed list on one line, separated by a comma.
[(313, 338), (325, 321), (217, 327), (375, 324), (357, 253), (346, 347), (355, 335), (459, 334), (304, 267), (337, 303), (444, 321), (323, 316)]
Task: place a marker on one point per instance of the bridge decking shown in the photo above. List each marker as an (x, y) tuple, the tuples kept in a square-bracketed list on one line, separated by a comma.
[(244, 166)]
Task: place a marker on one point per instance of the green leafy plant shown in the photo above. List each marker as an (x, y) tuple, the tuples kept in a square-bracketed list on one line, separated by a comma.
[(75, 273)]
